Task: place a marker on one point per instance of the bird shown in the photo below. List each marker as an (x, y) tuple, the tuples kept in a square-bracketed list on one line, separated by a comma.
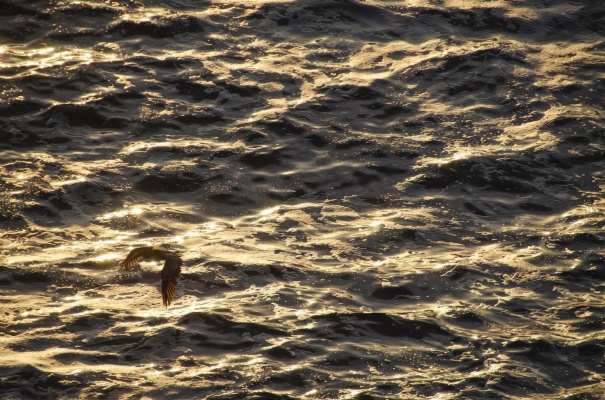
[(170, 272)]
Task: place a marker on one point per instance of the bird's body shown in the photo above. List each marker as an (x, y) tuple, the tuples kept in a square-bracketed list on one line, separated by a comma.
[(170, 272)]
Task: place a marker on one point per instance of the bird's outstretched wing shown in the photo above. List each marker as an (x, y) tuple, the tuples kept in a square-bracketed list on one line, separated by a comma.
[(170, 277), (134, 257), (170, 273)]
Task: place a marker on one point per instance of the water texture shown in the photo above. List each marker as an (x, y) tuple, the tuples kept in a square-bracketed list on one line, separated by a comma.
[(372, 199)]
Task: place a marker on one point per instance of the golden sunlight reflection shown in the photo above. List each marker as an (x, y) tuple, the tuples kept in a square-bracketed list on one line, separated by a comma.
[(107, 257), (67, 182), (122, 213), (205, 304), (293, 367), (145, 314), (178, 239), (44, 51), (376, 223), (353, 393), (310, 392), (220, 364), (255, 360), (192, 234), (89, 312), (269, 211), (461, 155), (136, 147), (173, 311), (385, 261), (383, 199), (442, 396), (50, 57), (117, 239), (275, 342), (442, 309)]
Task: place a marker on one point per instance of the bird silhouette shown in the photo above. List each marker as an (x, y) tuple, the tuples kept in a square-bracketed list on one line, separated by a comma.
[(170, 272)]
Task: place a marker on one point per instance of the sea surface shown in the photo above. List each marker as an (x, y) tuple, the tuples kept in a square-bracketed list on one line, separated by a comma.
[(372, 199)]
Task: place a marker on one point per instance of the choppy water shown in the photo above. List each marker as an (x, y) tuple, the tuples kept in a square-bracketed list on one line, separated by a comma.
[(379, 199)]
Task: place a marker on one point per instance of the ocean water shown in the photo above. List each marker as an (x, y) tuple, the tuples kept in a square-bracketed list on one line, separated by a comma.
[(372, 199)]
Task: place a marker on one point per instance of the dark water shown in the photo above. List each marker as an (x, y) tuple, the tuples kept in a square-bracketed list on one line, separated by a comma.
[(379, 199)]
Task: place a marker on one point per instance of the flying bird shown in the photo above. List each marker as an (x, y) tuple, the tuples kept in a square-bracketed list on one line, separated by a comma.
[(170, 272)]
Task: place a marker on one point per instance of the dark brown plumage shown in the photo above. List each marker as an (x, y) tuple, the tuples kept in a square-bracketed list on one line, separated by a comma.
[(170, 272)]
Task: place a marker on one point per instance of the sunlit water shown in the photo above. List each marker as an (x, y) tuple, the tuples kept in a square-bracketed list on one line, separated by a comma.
[(380, 199)]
